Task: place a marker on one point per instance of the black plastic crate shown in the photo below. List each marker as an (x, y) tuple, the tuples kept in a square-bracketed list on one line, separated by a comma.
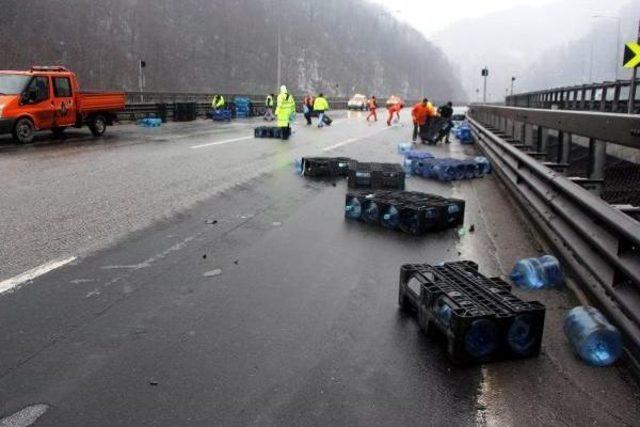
[(185, 111), (411, 212), (480, 318), (377, 176), (327, 166), (267, 132)]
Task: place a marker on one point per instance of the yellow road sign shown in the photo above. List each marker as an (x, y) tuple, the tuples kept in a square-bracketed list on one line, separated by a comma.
[(631, 55)]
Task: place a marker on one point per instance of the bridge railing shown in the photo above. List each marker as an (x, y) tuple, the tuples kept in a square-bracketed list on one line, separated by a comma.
[(598, 243), (606, 97)]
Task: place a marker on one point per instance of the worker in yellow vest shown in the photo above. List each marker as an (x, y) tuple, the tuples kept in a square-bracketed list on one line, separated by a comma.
[(285, 109)]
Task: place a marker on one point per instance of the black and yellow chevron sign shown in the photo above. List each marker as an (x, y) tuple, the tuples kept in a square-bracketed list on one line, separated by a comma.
[(631, 55)]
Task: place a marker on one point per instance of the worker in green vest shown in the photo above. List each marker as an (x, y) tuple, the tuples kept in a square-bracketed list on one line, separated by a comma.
[(268, 103), (285, 109), (218, 102)]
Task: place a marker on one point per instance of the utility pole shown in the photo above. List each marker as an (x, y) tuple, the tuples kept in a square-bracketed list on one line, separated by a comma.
[(633, 87), (485, 74), (142, 64)]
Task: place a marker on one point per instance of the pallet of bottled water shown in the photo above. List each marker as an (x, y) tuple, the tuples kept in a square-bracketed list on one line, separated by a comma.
[(480, 318), (447, 169), (324, 167), (407, 211), (267, 132), (377, 176)]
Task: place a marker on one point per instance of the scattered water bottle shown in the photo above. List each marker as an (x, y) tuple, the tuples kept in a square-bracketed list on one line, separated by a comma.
[(353, 208), (481, 338), (371, 212), (298, 165), (404, 147), (391, 217), (483, 164), (537, 273), (595, 340), (409, 222)]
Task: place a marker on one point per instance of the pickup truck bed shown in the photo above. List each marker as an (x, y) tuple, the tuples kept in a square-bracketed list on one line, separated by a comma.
[(91, 102)]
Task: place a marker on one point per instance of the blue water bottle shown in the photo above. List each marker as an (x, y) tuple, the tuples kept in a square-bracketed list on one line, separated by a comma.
[(537, 273), (594, 339), (484, 164)]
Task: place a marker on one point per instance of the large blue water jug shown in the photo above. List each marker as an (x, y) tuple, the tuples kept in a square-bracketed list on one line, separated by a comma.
[(404, 147), (594, 339), (298, 166), (370, 212), (537, 273), (353, 208), (390, 217), (425, 168), (445, 170), (481, 338)]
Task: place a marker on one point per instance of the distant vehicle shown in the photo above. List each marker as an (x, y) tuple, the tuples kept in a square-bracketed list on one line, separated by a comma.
[(358, 102), (49, 98), (459, 114), (393, 99)]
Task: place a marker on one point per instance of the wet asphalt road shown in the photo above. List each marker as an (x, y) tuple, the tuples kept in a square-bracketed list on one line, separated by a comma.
[(213, 286)]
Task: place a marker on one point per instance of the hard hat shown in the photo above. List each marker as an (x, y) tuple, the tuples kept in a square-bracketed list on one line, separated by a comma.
[(283, 89)]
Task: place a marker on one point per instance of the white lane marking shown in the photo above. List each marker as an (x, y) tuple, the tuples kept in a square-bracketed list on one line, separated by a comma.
[(340, 144), (25, 417), (9, 284), (349, 141), (226, 141)]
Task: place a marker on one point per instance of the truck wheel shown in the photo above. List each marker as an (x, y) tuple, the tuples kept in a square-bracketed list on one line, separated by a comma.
[(98, 125), (24, 131), (58, 132)]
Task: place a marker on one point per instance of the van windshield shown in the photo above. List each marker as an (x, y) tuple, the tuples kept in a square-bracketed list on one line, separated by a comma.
[(13, 84)]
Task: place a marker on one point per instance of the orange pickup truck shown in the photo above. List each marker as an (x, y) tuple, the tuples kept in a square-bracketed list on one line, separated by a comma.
[(49, 98)]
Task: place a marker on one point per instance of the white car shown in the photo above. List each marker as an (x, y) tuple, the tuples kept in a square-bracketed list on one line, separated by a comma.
[(459, 114), (358, 102)]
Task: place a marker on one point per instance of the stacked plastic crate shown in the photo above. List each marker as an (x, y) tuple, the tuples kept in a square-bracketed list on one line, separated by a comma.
[(243, 107)]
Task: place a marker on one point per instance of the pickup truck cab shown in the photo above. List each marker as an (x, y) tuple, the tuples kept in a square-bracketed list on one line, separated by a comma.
[(49, 98)]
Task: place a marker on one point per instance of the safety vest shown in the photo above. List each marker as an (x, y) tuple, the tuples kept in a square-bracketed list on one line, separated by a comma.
[(218, 101), (321, 104), (269, 101)]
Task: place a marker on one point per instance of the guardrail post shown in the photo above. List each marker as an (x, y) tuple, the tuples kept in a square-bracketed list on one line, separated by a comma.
[(616, 98), (565, 148), (543, 139), (597, 158)]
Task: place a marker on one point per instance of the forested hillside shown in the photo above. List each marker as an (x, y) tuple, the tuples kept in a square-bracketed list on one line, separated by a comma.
[(335, 46)]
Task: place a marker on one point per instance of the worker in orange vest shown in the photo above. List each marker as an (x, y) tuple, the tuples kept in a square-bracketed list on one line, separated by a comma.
[(394, 109), (421, 113), (373, 106)]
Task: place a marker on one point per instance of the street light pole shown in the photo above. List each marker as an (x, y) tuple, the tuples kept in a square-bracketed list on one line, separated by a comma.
[(633, 86), (485, 74), (513, 79), (279, 47)]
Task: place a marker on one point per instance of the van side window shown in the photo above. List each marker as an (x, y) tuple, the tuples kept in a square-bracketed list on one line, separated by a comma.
[(61, 87), (41, 85)]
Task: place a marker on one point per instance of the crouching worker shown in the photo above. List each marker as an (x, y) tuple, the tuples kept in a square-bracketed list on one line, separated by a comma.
[(285, 107)]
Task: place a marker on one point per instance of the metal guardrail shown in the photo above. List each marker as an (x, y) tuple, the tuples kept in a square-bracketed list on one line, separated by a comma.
[(145, 104), (606, 97), (600, 244)]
